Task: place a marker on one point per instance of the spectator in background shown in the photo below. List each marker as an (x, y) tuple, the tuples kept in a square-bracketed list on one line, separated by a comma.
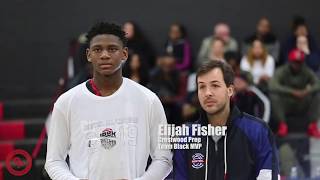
[(312, 58), (170, 86), (259, 63), (299, 28), (80, 67), (190, 105), (216, 51), (178, 46), (233, 59), (80, 53), (138, 43), (295, 89), (249, 99), (222, 31), (265, 35), (136, 69), (243, 98)]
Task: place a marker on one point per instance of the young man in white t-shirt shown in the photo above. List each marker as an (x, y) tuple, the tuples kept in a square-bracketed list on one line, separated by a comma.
[(108, 126)]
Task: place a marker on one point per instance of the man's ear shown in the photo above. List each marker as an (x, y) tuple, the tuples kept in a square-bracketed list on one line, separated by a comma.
[(88, 54), (125, 54), (230, 90)]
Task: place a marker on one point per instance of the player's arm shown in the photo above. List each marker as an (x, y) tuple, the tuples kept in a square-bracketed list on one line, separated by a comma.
[(57, 147), (161, 164)]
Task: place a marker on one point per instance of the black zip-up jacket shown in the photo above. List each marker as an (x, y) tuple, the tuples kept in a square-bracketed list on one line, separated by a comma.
[(250, 152)]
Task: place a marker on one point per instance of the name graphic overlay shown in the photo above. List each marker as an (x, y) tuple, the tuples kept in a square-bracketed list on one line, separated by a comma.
[(187, 137)]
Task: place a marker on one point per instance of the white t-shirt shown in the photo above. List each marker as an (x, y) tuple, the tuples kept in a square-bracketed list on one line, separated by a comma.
[(109, 137), (258, 69)]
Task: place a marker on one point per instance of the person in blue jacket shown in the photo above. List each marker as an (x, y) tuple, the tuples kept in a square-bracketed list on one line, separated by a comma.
[(246, 152)]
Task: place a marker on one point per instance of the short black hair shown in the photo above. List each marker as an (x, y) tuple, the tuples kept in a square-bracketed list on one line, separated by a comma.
[(228, 74), (297, 22), (231, 55), (107, 28)]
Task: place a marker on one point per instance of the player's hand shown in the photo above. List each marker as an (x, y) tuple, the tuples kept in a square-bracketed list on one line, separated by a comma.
[(306, 50)]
